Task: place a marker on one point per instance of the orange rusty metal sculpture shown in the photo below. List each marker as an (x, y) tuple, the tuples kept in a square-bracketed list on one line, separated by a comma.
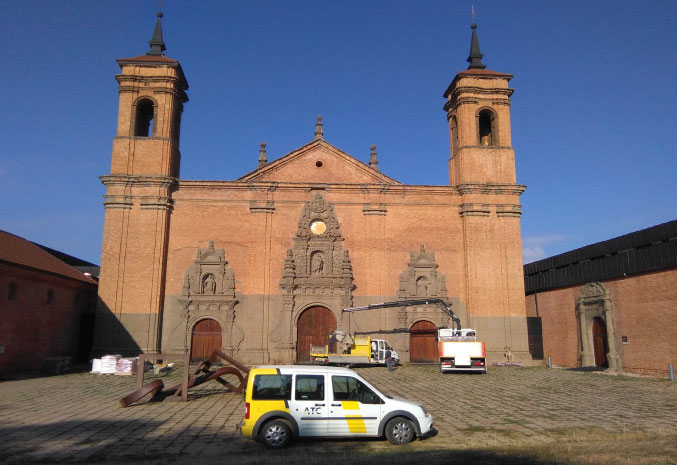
[(202, 374)]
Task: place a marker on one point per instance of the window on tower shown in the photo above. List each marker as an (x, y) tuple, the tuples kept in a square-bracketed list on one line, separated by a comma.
[(144, 118), (454, 135), (487, 133)]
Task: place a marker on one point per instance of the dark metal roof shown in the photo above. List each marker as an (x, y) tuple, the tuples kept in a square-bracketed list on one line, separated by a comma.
[(157, 45), (475, 57), (649, 250)]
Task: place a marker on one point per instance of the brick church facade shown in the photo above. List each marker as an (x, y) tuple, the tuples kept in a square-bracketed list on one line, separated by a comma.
[(262, 266)]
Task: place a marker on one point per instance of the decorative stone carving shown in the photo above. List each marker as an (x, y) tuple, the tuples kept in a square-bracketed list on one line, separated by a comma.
[(596, 302), (209, 292), (317, 270), (421, 279)]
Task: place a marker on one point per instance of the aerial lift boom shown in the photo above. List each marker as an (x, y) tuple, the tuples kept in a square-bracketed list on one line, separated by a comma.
[(444, 306)]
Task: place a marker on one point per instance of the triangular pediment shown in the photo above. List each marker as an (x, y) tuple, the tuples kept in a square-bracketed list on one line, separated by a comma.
[(318, 162)]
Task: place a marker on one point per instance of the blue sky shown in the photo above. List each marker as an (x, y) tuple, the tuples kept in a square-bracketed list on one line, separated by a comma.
[(593, 122)]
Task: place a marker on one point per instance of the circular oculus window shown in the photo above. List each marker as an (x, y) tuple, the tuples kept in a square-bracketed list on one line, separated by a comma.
[(318, 227)]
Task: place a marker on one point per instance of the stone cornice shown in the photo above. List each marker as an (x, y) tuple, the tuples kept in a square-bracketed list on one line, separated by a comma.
[(472, 95), (379, 210), (267, 207), (491, 189), (121, 202), (155, 202), (128, 180), (512, 211), (267, 186), (474, 209)]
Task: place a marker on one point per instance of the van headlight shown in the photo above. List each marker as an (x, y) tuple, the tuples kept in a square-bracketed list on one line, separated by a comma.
[(425, 412)]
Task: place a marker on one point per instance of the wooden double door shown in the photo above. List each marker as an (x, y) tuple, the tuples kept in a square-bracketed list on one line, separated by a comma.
[(313, 328), (205, 339), (423, 343)]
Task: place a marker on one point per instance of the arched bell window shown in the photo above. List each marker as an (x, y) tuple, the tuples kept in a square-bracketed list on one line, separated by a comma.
[(145, 112), (487, 128)]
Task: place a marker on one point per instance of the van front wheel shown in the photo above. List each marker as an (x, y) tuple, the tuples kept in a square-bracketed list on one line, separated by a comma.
[(275, 434), (399, 431)]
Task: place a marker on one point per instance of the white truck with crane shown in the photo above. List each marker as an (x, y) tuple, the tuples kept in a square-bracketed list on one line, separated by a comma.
[(459, 349)]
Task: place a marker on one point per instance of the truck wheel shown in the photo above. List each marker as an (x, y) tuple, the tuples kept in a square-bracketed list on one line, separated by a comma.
[(275, 434), (399, 431)]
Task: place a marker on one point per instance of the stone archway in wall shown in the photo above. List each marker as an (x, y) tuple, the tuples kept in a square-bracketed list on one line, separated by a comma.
[(423, 342), (208, 294), (313, 328), (595, 313), (205, 338), (317, 273)]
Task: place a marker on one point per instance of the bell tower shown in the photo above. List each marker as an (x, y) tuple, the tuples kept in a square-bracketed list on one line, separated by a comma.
[(482, 169), (478, 111), (138, 201)]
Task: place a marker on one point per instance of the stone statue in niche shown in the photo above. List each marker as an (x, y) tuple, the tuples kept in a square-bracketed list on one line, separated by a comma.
[(421, 278), (317, 264), (209, 275), (228, 279), (209, 287), (422, 286)]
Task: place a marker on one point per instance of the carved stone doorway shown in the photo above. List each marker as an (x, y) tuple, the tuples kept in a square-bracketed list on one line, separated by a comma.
[(313, 328), (600, 342), (595, 312), (206, 338), (423, 343)]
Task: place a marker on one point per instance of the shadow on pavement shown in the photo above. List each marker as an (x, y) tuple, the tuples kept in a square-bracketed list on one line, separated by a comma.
[(149, 442)]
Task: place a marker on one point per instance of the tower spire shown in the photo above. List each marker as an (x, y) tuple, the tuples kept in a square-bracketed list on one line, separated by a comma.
[(475, 57), (157, 45)]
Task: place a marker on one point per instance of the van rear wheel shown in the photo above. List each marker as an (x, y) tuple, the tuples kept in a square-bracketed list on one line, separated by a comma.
[(399, 431), (275, 434)]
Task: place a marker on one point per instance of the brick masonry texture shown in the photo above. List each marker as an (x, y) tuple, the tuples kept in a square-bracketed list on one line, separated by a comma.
[(644, 309)]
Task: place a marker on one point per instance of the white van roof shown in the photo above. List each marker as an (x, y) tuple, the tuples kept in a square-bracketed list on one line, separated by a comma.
[(307, 368)]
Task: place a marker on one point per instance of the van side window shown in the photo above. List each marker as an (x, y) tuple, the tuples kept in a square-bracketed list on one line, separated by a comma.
[(349, 388), (272, 387), (309, 387)]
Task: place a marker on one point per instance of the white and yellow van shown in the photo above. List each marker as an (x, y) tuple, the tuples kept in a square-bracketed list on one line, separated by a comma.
[(283, 402)]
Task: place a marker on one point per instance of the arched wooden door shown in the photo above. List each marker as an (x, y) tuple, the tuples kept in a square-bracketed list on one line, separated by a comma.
[(314, 326), (206, 338), (600, 342), (423, 343)]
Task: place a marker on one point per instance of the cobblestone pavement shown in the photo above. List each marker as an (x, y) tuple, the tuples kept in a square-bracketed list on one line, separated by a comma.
[(77, 417)]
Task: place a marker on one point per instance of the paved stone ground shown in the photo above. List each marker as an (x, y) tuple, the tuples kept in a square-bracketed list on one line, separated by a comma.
[(77, 417)]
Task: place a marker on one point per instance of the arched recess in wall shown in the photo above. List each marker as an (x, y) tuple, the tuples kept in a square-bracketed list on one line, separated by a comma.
[(454, 136), (206, 337), (144, 116), (487, 127), (595, 313), (313, 328), (423, 342)]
